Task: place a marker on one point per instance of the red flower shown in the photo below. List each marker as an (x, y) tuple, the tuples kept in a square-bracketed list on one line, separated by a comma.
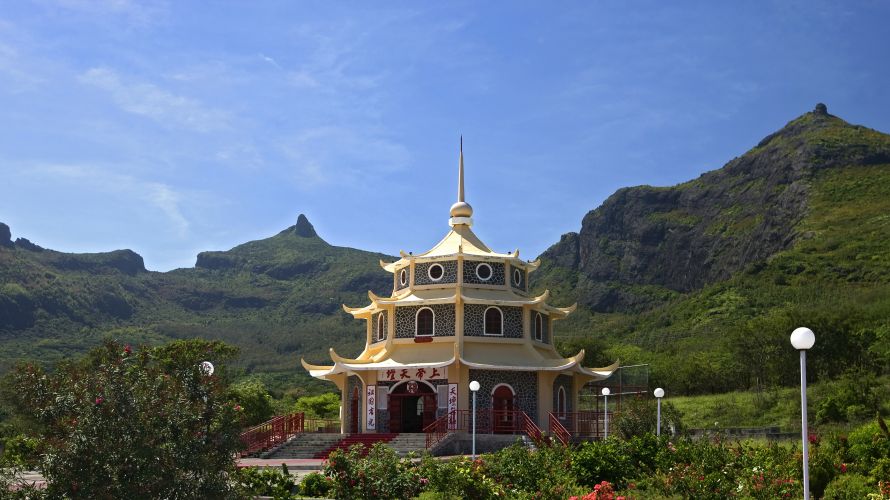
[(99, 400), (813, 438), (843, 468), (128, 350)]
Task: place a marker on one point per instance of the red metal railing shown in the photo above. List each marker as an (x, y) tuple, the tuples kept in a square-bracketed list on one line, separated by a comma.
[(487, 422), (558, 431), (581, 424), (271, 433)]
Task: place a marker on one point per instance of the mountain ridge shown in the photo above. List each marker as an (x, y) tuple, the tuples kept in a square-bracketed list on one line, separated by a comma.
[(690, 278)]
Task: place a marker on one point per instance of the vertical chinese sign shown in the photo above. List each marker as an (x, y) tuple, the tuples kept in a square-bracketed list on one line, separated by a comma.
[(452, 407), (371, 405)]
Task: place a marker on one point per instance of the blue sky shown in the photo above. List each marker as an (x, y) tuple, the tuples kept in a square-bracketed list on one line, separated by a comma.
[(176, 127)]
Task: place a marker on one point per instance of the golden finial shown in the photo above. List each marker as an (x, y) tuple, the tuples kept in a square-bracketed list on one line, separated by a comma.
[(461, 209)]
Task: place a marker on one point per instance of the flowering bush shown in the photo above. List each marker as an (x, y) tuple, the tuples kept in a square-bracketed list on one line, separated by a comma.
[(380, 474), (125, 423)]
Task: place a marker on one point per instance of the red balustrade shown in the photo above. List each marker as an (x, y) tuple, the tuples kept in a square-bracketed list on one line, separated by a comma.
[(558, 431), (271, 433)]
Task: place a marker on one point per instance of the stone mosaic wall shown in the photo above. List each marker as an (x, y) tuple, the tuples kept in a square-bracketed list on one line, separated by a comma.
[(545, 323), (523, 285), (474, 320), (497, 273), (524, 384), (351, 383), (422, 277), (406, 317), (565, 382)]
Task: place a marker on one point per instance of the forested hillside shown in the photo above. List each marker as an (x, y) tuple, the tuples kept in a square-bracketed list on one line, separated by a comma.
[(276, 299), (704, 280)]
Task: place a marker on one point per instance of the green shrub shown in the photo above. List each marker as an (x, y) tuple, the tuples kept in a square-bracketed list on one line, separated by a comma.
[(868, 445), (322, 406), (380, 474), (254, 399), (597, 461), (315, 484), (458, 478), (518, 470), (639, 416), (849, 487), (276, 483), (122, 423)]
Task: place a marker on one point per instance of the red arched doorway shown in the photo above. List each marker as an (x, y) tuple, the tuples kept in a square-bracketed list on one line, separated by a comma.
[(502, 402), (354, 407), (412, 406)]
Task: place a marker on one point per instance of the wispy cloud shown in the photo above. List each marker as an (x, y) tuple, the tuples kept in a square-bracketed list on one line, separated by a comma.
[(158, 195), (323, 154), (151, 101)]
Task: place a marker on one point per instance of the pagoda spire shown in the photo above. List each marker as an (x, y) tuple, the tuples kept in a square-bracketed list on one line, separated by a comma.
[(461, 211)]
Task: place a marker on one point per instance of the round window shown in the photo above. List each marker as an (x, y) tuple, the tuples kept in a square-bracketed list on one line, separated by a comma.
[(517, 277), (483, 272), (403, 277), (435, 272)]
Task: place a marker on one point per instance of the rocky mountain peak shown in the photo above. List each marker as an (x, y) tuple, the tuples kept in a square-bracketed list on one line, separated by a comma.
[(304, 228), (5, 235)]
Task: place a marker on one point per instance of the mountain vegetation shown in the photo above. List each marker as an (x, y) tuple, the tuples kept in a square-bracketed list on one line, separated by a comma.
[(276, 299), (704, 281)]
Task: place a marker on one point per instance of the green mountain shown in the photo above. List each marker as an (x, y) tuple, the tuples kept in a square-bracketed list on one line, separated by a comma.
[(705, 280), (277, 299)]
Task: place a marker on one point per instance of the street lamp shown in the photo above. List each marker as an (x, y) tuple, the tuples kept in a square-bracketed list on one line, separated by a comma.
[(803, 339), (606, 393), (659, 393), (474, 387), (207, 368)]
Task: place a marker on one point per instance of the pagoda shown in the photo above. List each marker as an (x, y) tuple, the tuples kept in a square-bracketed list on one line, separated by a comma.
[(457, 313)]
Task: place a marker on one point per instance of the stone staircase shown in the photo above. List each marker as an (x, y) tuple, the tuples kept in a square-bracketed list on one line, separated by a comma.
[(407, 442), (306, 445), (319, 445), (366, 440)]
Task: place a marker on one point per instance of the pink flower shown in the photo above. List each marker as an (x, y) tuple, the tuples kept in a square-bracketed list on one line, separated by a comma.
[(237, 407), (99, 400)]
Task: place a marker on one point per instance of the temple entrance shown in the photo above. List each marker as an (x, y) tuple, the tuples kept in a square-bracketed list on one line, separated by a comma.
[(412, 406), (353, 417), (502, 403)]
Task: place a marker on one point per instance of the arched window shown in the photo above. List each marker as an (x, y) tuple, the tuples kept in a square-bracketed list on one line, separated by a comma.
[(381, 327), (494, 321), (561, 400), (539, 327), (425, 323)]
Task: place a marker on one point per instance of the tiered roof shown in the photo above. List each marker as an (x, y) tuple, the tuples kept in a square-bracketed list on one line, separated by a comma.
[(490, 353)]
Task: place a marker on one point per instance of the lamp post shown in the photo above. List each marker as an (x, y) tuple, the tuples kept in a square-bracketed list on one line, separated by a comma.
[(606, 393), (803, 339), (474, 387), (659, 393)]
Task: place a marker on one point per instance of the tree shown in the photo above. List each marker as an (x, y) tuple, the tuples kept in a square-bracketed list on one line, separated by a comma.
[(122, 423), (325, 405), (254, 399)]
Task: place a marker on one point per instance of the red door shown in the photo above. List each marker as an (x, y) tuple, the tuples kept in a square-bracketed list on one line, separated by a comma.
[(502, 404)]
